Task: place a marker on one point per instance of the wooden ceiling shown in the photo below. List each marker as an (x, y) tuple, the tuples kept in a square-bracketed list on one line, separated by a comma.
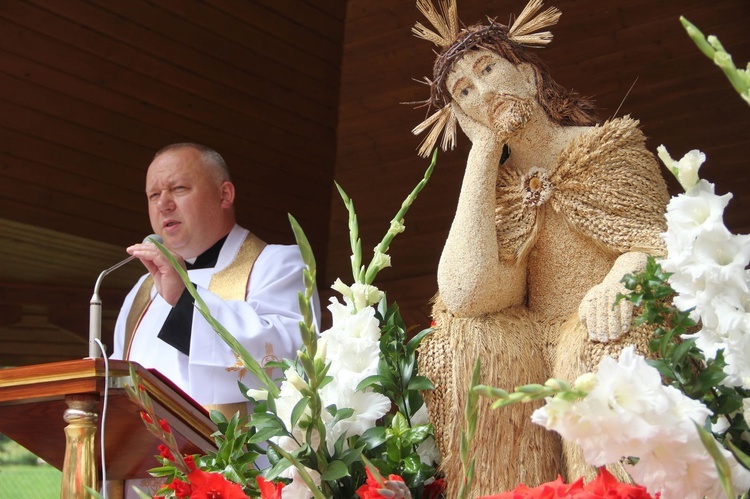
[(294, 94)]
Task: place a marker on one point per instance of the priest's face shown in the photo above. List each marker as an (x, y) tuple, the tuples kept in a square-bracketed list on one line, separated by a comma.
[(493, 91), (189, 205)]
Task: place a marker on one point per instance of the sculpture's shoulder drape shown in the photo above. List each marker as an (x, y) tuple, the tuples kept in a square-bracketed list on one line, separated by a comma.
[(606, 184)]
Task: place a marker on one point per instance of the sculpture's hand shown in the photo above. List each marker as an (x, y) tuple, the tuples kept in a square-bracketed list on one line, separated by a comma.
[(479, 134), (605, 321), (166, 279), (395, 490)]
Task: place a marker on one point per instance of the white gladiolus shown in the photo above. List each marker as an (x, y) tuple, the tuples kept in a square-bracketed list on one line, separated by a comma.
[(630, 413), (690, 214), (708, 265), (686, 169), (288, 397), (358, 295)]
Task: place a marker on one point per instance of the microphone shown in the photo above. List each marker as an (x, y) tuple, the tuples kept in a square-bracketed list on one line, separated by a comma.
[(95, 306)]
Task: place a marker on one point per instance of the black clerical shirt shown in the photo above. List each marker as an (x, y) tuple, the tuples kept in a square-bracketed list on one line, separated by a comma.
[(178, 326)]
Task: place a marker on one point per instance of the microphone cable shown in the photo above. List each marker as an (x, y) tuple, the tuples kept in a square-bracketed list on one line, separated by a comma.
[(104, 417)]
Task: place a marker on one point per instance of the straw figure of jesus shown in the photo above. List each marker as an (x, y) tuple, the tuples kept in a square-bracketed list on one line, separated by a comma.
[(554, 209)]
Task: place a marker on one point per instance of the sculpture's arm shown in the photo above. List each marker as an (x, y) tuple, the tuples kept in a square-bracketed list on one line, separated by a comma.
[(471, 278), (605, 321)]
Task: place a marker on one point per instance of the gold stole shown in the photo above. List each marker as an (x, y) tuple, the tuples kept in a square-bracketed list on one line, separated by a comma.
[(229, 284)]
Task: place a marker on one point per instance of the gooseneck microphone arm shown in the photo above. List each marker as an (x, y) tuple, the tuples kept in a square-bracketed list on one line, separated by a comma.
[(95, 305)]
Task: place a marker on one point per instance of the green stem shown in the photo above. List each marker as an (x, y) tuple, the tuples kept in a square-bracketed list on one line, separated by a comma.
[(302, 471), (354, 239), (373, 270)]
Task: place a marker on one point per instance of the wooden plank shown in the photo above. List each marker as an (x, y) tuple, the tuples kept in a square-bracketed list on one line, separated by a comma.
[(273, 48), (296, 23), (335, 9)]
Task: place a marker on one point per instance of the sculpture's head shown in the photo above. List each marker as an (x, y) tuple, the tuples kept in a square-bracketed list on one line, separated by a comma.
[(486, 70)]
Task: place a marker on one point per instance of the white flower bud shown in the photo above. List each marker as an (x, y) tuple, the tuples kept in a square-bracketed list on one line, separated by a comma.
[(686, 169), (397, 227), (322, 350), (586, 382), (381, 260), (258, 395), (342, 288), (295, 379)]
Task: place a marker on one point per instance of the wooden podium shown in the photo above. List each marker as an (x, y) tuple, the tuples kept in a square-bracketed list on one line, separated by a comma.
[(37, 401)]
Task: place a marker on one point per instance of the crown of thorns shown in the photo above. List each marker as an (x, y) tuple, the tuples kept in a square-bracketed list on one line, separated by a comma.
[(525, 30)]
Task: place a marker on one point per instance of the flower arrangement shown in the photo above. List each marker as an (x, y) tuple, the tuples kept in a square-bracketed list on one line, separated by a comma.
[(347, 409)]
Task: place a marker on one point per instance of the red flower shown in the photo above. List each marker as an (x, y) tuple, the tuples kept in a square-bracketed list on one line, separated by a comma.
[(146, 418), (605, 486), (165, 452), (190, 462), (371, 487), (165, 426), (181, 489), (213, 486), (269, 490), (434, 489)]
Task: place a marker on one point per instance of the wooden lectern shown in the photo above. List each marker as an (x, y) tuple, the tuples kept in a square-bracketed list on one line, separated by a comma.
[(37, 401)]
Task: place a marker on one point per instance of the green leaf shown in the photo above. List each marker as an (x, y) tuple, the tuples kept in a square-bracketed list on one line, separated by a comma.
[(722, 465), (373, 437), (352, 454), (682, 350), (421, 383), (266, 420), (336, 469), (266, 434), (417, 434), (299, 410), (342, 414), (372, 380), (741, 457), (413, 343), (399, 424), (277, 469), (709, 377)]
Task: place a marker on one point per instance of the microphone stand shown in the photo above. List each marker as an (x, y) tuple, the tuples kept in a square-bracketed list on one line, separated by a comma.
[(95, 305), (95, 311)]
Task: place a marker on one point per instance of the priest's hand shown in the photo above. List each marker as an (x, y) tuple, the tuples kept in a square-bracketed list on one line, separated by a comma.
[(166, 279)]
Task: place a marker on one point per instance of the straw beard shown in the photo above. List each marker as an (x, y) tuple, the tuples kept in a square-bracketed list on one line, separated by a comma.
[(507, 115)]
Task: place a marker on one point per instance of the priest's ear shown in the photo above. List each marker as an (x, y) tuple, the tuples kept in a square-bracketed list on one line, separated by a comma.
[(227, 194)]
